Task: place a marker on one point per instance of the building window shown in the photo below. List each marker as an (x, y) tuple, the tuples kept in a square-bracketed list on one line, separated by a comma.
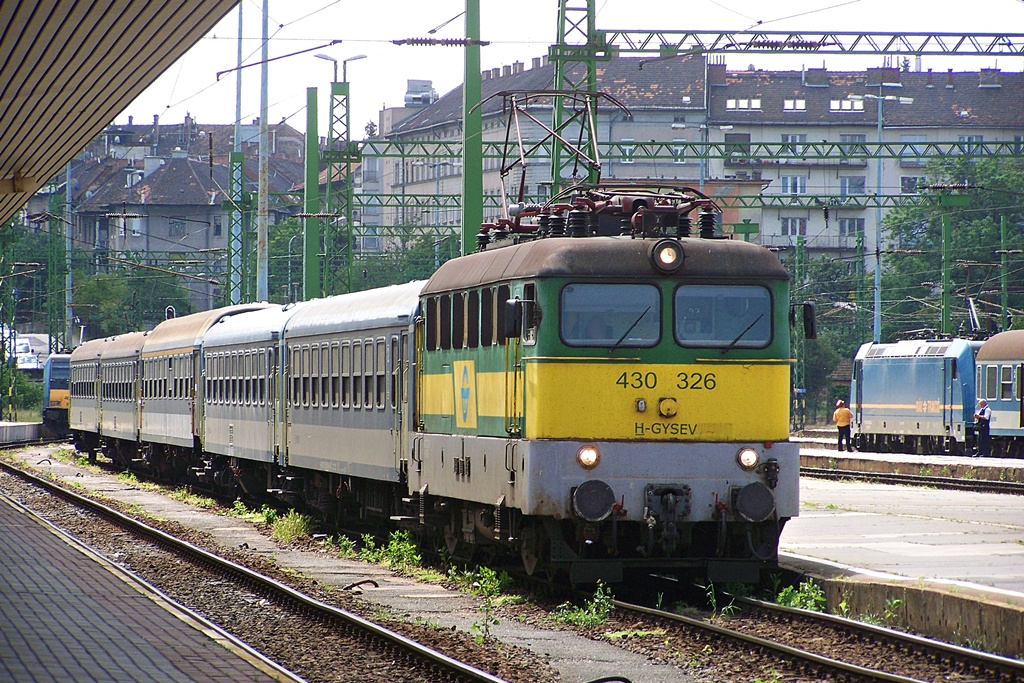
[(911, 148), (794, 184), (971, 143), (851, 226), (176, 227), (743, 104), (794, 142), (849, 185), (794, 105), (852, 144), (218, 227), (846, 105), (678, 152), (628, 150), (794, 226), (909, 184)]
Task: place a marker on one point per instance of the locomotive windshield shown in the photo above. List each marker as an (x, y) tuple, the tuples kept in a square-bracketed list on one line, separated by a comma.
[(611, 315), (733, 316)]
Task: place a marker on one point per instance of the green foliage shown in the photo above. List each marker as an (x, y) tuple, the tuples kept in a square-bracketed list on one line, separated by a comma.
[(400, 553), (892, 610), (593, 612), (808, 596), (291, 526), (712, 596), (125, 300)]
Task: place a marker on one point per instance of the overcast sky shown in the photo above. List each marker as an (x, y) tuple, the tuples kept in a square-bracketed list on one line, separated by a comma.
[(518, 31)]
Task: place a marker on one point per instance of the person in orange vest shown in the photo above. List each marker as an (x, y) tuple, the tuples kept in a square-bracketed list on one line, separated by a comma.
[(842, 418)]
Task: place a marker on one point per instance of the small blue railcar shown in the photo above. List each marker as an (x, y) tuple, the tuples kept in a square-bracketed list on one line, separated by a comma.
[(914, 396)]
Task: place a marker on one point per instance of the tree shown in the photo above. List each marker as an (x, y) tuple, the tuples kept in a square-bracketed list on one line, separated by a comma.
[(912, 277), (125, 300)]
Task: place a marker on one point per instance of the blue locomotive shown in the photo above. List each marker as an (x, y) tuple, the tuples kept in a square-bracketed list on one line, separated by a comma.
[(915, 396)]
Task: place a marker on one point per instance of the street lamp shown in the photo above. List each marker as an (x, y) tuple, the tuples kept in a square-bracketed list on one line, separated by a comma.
[(321, 55), (344, 67), (877, 326)]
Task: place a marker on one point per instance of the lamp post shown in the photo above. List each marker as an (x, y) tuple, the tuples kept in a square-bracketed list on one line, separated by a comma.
[(877, 322), (321, 55), (344, 67)]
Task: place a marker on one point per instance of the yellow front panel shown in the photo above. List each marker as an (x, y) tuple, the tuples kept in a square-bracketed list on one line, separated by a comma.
[(648, 402)]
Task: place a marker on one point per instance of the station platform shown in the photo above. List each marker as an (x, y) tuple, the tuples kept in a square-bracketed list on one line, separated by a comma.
[(962, 466), (17, 432), (67, 614)]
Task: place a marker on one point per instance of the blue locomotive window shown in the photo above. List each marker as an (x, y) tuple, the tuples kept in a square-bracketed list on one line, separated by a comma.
[(735, 316), (610, 315)]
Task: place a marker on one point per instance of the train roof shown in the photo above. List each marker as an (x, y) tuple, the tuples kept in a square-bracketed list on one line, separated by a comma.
[(908, 348), (386, 306), (605, 257), (255, 327), (186, 333), (1007, 345), (124, 346), (90, 350)]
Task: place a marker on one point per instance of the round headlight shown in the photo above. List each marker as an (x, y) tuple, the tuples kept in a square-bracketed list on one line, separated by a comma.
[(588, 457), (747, 458), (667, 256)]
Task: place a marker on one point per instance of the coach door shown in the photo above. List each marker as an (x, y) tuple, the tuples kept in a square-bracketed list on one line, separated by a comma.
[(858, 380), (949, 390), (1020, 395)]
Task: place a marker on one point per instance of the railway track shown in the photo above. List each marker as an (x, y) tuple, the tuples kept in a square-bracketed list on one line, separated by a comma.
[(816, 646), (409, 659), (977, 485)]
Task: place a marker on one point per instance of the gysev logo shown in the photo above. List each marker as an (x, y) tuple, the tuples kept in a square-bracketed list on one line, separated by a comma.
[(464, 377)]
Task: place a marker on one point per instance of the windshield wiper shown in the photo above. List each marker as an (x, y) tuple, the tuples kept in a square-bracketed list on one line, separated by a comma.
[(740, 335), (626, 333)]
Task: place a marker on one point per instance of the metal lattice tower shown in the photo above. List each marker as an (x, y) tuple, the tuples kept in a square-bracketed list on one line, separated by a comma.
[(238, 270), (575, 58), (339, 238)]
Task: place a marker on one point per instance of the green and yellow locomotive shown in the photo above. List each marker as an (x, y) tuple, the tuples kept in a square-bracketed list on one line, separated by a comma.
[(608, 402)]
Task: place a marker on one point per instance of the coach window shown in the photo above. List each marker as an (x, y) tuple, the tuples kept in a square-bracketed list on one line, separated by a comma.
[(1006, 383), (293, 370), (431, 324), (314, 373), (530, 315), (307, 368), (346, 375), (264, 374), (335, 378), (486, 316), (357, 374), (991, 379), (325, 375), (381, 373), (729, 316), (396, 368), (368, 373), (458, 320), (446, 321), (504, 294), (610, 315), (473, 319)]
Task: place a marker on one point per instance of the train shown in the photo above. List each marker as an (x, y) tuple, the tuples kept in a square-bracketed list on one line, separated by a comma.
[(574, 396), (56, 394), (920, 396)]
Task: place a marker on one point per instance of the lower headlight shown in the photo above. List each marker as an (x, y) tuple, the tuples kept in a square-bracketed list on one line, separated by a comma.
[(747, 458), (588, 457)]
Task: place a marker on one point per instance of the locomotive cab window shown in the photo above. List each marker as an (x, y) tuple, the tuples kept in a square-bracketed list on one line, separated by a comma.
[(610, 315), (734, 316)]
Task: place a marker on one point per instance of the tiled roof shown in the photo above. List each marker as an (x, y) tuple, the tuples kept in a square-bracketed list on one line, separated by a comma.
[(951, 99), (657, 85), (179, 181)]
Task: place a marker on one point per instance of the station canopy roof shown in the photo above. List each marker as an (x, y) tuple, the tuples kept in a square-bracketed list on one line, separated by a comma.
[(68, 67)]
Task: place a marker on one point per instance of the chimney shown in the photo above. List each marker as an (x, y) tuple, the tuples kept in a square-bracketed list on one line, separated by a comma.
[(129, 119), (485, 75), (506, 70), (535, 63), (885, 75), (929, 84), (949, 78), (496, 72), (816, 78), (716, 74), (517, 67), (989, 78)]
